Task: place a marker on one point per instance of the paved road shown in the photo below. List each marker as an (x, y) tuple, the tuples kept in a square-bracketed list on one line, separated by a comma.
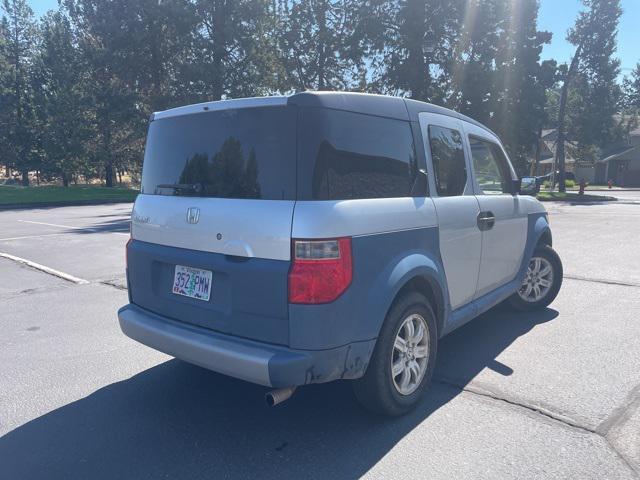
[(555, 394)]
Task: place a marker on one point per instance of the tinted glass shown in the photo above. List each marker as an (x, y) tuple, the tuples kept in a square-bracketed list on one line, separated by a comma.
[(344, 155), (447, 153), (490, 167), (243, 153)]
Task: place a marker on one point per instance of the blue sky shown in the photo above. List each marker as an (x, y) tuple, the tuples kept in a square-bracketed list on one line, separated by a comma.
[(556, 16)]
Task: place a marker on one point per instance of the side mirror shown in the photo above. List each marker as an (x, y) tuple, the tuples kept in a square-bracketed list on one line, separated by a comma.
[(420, 185), (527, 186)]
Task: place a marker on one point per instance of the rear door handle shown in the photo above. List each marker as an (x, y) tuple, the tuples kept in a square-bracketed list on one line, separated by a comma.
[(486, 220)]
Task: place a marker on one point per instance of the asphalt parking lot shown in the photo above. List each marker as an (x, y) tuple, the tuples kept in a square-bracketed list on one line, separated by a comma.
[(553, 394)]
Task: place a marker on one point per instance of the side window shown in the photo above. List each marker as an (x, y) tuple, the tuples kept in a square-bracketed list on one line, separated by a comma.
[(345, 155), (447, 154), (490, 167)]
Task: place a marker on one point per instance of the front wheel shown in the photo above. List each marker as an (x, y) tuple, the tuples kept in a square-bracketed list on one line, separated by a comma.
[(542, 281), (402, 363)]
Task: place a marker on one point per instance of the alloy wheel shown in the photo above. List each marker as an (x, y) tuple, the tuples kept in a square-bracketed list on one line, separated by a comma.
[(410, 354)]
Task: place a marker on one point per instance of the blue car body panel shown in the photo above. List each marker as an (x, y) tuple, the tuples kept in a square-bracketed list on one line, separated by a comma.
[(259, 311), (382, 264)]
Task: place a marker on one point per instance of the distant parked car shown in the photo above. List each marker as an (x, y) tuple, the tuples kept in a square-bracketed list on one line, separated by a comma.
[(323, 236)]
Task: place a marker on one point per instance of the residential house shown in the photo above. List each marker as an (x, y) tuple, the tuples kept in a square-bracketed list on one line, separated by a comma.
[(619, 162)]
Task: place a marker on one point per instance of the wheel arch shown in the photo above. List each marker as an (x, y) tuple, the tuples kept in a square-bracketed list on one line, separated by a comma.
[(431, 290), (545, 237), (539, 233), (421, 273)]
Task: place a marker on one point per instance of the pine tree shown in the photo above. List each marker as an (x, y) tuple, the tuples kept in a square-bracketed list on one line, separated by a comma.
[(20, 29), (320, 44), (5, 114), (232, 49), (521, 80), (632, 90), (111, 69), (475, 51), (596, 30), (61, 101), (410, 46)]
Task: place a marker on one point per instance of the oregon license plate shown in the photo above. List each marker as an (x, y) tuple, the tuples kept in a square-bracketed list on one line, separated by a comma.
[(192, 282)]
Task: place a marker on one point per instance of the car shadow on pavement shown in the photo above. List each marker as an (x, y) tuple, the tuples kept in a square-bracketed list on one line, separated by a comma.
[(180, 421), (118, 225)]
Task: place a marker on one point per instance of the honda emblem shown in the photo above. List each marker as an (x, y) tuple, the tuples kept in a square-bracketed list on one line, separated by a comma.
[(193, 215)]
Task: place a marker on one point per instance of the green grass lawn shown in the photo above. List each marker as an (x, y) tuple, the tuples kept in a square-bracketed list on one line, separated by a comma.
[(571, 197), (53, 194)]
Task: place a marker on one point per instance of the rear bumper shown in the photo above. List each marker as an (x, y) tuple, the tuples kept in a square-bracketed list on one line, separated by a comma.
[(256, 362)]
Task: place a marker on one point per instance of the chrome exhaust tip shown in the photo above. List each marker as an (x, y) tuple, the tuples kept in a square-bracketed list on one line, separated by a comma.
[(274, 397)]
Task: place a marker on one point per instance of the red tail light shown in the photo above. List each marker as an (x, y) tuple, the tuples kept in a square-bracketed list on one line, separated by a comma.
[(321, 270)]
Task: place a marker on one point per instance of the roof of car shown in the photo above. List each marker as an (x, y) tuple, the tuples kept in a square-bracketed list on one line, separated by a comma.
[(367, 103)]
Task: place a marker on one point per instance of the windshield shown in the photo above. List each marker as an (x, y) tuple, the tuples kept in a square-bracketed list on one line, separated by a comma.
[(243, 153)]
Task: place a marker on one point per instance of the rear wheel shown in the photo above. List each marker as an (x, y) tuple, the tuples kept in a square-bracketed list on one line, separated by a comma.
[(403, 360), (542, 280)]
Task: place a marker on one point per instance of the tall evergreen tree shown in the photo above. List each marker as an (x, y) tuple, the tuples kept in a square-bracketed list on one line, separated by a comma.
[(19, 26), (232, 49), (521, 80), (320, 45), (476, 50), (109, 51), (5, 115), (62, 104), (595, 30), (632, 90), (410, 46)]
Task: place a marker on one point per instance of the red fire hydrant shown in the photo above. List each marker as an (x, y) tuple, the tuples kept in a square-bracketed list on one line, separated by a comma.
[(610, 183), (583, 185)]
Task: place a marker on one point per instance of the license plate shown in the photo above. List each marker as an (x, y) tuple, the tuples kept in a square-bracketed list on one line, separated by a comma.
[(192, 282)]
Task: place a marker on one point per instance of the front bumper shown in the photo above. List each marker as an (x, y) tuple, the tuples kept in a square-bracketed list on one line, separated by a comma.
[(262, 363)]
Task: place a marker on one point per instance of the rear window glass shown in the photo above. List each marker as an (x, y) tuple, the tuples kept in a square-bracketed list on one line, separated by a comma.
[(243, 153), (345, 155)]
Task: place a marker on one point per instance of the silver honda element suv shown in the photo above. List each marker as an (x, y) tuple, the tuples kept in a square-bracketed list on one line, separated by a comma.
[(322, 236)]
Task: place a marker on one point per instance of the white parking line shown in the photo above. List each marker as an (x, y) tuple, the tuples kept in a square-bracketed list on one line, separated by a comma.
[(32, 236), (44, 268), (67, 226)]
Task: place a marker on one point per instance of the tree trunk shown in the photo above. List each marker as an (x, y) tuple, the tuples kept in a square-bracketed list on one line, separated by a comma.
[(65, 179), (105, 130), (538, 152), (108, 174), (322, 40), (219, 48), (418, 72), (560, 153), (25, 178)]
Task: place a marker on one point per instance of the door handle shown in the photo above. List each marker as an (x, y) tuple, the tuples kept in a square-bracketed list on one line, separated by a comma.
[(486, 220)]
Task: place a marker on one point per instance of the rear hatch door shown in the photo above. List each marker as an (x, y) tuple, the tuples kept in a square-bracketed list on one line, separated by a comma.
[(216, 207)]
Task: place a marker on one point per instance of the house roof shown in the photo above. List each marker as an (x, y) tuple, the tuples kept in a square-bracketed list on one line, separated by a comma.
[(617, 154)]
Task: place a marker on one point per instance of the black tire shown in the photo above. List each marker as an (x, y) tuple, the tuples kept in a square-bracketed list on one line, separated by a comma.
[(376, 391), (549, 254)]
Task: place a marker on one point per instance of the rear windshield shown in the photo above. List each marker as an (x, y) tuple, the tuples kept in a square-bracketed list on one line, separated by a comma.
[(243, 153)]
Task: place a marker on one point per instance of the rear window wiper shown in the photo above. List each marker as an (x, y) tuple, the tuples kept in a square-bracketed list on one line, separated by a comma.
[(194, 187)]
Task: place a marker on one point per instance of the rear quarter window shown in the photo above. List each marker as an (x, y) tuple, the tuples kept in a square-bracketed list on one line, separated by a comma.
[(344, 155)]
